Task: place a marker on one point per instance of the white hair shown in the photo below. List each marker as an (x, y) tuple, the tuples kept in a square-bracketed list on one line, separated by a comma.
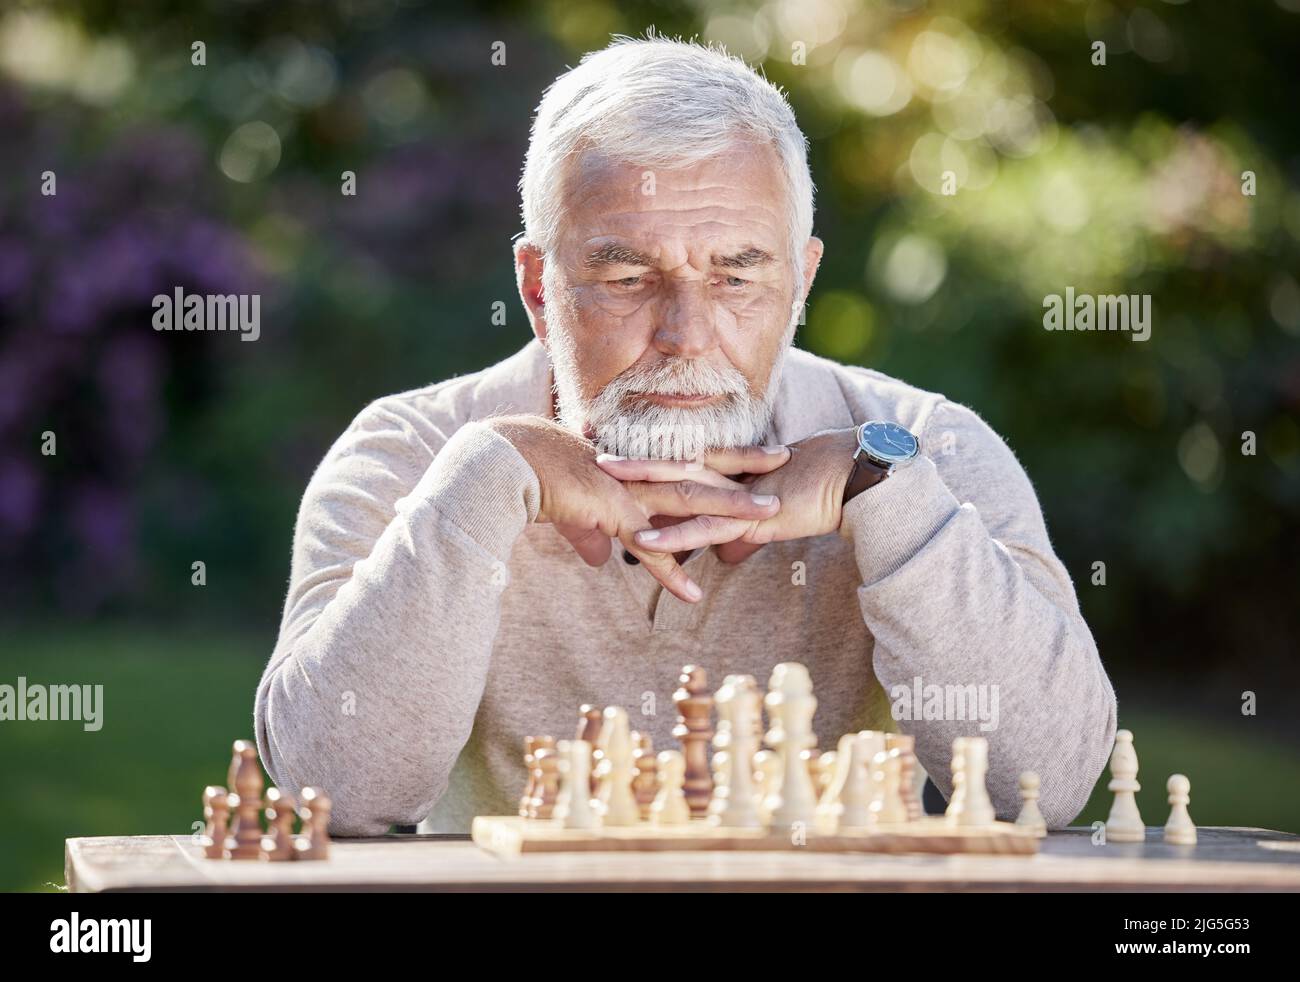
[(661, 103)]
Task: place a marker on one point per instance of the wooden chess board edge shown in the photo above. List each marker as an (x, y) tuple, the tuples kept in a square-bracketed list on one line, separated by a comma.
[(509, 835)]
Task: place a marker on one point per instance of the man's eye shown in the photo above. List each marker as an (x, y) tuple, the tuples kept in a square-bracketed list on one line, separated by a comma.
[(628, 281), (735, 281)]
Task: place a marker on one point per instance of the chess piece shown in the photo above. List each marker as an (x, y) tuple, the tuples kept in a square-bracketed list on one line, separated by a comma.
[(314, 842), (670, 805), (573, 802), (589, 725), (548, 781), (952, 814), (825, 776), (845, 805), (244, 840), (277, 844), (767, 775), (740, 720), (645, 773), (906, 745), (216, 815), (1180, 830), (1125, 821), (977, 808), (617, 802), (530, 787), (694, 730), (1030, 817), (887, 807), (791, 705), (529, 807)]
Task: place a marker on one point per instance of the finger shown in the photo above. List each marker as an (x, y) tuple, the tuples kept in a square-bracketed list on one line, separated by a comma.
[(591, 544), (688, 498), (737, 550), (695, 533), (636, 469), (662, 566), (747, 460)]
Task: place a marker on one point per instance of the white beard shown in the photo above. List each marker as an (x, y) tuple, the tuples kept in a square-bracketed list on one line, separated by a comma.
[(620, 424)]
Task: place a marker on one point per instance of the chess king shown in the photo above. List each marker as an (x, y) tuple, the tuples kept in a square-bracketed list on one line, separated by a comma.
[(659, 477)]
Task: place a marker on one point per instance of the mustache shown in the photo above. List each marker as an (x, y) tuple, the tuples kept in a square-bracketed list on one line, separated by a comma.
[(677, 376)]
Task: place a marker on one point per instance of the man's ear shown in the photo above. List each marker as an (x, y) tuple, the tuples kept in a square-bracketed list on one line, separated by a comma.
[(812, 258), (529, 264)]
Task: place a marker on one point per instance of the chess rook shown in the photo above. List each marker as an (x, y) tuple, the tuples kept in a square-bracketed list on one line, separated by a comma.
[(694, 730), (977, 807), (906, 746)]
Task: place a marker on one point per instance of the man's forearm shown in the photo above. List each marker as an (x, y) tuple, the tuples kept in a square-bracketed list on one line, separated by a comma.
[(951, 606), (374, 696)]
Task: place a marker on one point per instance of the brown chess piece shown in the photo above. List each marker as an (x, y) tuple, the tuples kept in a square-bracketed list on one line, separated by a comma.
[(906, 746), (314, 843), (216, 813), (244, 841), (530, 748), (694, 730), (529, 807), (589, 724), (548, 781), (645, 781), (277, 844)]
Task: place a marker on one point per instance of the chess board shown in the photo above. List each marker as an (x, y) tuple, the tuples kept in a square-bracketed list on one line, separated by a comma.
[(510, 835)]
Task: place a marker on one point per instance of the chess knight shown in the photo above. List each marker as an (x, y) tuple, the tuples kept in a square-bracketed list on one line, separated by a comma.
[(476, 558)]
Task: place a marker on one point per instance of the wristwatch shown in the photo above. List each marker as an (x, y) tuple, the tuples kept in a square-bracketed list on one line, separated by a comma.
[(881, 447)]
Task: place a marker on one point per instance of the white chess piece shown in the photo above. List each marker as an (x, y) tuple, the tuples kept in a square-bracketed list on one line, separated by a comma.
[(669, 806), (977, 808), (1125, 821), (1180, 830), (767, 774), (792, 704), (952, 814), (1030, 817), (739, 709), (618, 805), (573, 803), (888, 807)]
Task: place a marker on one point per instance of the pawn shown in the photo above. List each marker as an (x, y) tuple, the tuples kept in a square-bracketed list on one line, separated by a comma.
[(277, 844), (670, 807), (645, 768), (1030, 817), (906, 745), (1125, 821), (888, 807), (1180, 830), (216, 813), (573, 802), (314, 842), (530, 787), (767, 775)]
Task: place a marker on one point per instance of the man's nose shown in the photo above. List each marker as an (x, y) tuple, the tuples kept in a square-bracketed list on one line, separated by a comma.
[(685, 326)]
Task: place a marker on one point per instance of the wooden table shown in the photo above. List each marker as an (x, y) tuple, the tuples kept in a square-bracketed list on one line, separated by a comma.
[(1225, 859)]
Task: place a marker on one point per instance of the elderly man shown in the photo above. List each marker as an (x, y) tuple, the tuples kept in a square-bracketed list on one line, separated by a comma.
[(658, 478)]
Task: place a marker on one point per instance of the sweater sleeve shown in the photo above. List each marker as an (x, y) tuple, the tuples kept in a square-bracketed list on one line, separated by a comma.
[(399, 564), (960, 587)]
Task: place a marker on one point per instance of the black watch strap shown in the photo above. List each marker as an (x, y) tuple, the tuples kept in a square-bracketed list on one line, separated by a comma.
[(866, 474)]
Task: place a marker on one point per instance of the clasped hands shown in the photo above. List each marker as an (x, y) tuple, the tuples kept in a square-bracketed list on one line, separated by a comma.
[(736, 501)]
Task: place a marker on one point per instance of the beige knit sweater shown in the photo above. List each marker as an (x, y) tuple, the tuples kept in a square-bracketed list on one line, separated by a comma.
[(430, 625)]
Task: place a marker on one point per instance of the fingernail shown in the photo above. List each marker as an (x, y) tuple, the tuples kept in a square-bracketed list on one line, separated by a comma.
[(604, 457), (649, 535), (774, 448), (693, 590), (763, 500)]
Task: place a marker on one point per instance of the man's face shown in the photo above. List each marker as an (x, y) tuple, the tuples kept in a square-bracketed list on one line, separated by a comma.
[(668, 301)]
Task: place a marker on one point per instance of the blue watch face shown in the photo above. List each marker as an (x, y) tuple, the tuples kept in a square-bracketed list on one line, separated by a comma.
[(887, 442)]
